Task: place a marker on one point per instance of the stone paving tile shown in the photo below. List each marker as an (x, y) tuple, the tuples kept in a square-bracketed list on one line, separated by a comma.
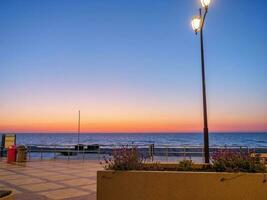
[(11, 177), (41, 187), (29, 171), (91, 187), (40, 174), (83, 175), (6, 173), (73, 171), (5, 187), (25, 181), (47, 180), (64, 193), (87, 197), (78, 182), (59, 177), (87, 175), (30, 196), (13, 168)]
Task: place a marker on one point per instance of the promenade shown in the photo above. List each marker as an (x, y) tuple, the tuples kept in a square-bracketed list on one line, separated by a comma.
[(55, 179)]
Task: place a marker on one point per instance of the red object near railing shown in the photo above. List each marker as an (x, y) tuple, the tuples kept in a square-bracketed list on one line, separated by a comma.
[(11, 154)]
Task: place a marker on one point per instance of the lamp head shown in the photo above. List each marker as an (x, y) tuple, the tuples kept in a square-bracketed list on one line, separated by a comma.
[(205, 3), (196, 23)]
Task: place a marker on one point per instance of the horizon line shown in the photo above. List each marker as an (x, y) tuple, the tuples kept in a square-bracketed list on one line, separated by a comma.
[(135, 132)]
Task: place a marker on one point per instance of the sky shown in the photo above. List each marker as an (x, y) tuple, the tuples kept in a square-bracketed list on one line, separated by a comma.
[(131, 66)]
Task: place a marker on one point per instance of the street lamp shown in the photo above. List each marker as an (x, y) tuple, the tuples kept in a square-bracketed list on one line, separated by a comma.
[(198, 23), (205, 3)]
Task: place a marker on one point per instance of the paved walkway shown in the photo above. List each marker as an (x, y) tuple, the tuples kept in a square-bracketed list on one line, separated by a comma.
[(39, 180)]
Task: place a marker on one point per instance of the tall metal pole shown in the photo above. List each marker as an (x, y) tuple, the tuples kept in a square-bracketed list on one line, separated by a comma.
[(79, 116), (205, 114)]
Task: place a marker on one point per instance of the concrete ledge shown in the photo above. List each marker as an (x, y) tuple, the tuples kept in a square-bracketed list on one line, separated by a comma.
[(8, 197), (156, 185)]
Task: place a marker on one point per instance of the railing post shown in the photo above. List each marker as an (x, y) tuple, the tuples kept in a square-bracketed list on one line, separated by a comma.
[(98, 153), (41, 153), (184, 153), (132, 146), (151, 151), (83, 153), (68, 149), (167, 154), (29, 152), (203, 159), (55, 152)]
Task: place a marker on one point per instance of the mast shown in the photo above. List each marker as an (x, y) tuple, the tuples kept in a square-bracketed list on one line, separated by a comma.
[(79, 121)]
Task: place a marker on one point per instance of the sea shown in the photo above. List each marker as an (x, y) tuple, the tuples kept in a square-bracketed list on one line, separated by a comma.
[(252, 139)]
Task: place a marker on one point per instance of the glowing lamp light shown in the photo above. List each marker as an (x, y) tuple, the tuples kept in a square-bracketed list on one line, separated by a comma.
[(205, 3), (196, 23)]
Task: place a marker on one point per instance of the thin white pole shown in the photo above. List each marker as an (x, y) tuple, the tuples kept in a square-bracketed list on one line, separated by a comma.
[(79, 120)]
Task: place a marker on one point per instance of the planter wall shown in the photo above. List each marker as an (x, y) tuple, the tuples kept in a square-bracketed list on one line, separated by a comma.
[(8, 197), (146, 185)]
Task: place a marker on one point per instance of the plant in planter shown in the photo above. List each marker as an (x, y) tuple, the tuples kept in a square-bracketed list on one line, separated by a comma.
[(225, 160), (185, 165), (124, 158), (140, 180), (236, 161), (6, 195)]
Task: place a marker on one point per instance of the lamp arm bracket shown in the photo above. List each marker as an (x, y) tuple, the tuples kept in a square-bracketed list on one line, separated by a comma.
[(204, 17)]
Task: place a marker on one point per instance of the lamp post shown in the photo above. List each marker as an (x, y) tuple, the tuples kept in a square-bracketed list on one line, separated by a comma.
[(198, 23)]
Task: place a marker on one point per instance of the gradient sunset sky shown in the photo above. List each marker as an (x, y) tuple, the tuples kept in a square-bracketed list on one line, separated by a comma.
[(131, 66)]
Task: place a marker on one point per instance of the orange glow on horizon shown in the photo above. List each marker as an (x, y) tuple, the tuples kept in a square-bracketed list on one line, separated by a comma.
[(129, 126), (122, 117)]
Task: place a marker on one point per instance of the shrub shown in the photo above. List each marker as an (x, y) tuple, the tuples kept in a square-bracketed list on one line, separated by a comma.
[(225, 160), (4, 193), (236, 161), (154, 166), (124, 158), (185, 165)]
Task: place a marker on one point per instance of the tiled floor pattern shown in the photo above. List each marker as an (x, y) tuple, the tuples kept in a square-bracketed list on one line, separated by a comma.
[(40, 180)]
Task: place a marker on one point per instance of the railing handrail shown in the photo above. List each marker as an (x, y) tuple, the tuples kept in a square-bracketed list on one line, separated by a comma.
[(138, 145), (161, 150)]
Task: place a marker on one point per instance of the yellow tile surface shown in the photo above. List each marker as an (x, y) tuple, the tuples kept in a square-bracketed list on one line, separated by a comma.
[(91, 187), (5, 187), (64, 193), (88, 175), (13, 176), (46, 174), (59, 177), (5, 173), (56, 179), (25, 181), (78, 182), (42, 187)]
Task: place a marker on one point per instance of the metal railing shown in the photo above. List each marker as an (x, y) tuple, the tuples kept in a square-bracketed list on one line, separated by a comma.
[(151, 152)]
